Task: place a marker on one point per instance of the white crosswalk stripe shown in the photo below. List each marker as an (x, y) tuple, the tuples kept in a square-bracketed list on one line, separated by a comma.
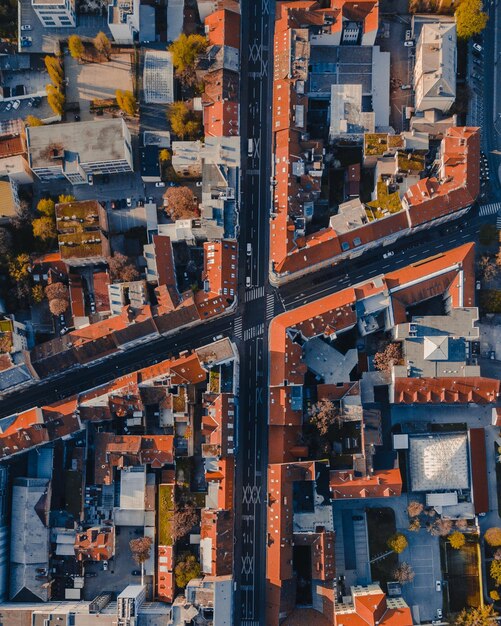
[(253, 294), (490, 209), (248, 622), (270, 306), (237, 327), (255, 331)]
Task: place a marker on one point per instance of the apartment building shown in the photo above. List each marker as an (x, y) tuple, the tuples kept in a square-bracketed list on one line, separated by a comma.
[(55, 13), (123, 20)]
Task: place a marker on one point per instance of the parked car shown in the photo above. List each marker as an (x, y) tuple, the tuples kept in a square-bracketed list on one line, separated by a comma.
[(16, 104), (90, 574), (405, 87), (26, 27), (357, 518), (409, 44), (217, 338), (8, 106), (136, 572), (129, 202), (150, 200), (388, 254), (160, 184), (477, 47), (248, 282), (438, 585), (439, 613), (249, 249), (408, 35), (478, 285), (198, 183), (26, 43), (77, 118)]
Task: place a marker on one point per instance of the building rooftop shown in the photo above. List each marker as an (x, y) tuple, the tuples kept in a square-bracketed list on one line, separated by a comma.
[(439, 462), (81, 142)]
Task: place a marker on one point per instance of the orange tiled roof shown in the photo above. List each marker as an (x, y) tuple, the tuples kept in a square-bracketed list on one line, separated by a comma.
[(165, 573), (221, 119), (381, 484), (95, 544), (223, 28), (217, 526), (477, 390)]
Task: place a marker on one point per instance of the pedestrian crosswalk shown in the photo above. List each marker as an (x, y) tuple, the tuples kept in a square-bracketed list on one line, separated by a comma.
[(249, 622), (253, 294), (255, 331), (270, 306), (237, 327), (489, 209)]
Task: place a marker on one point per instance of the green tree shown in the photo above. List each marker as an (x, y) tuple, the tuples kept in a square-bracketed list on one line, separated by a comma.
[(186, 569), (397, 542), (46, 206), (126, 101), (493, 536), (56, 99), (478, 616), (54, 69), (470, 19), (102, 44), (44, 228), (457, 540), (32, 120), (184, 122), (18, 268), (185, 51), (75, 46)]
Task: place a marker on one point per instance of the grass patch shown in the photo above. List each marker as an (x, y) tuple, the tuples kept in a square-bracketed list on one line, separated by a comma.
[(380, 526), (214, 378), (385, 203), (165, 514)]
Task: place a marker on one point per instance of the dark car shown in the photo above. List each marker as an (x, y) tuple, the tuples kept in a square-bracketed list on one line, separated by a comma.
[(123, 203), (136, 572), (90, 574), (357, 518)]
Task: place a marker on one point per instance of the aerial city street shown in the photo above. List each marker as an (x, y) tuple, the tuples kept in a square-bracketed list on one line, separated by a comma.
[(250, 312)]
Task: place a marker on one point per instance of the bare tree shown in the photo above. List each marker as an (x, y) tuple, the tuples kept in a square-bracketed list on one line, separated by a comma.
[(122, 268), (58, 297), (404, 573), (185, 517), (440, 527), (414, 508), (140, 549), (180, 203), (390, 356), (323, 415)]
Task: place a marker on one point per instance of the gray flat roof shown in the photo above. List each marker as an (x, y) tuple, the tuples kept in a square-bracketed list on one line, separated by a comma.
[(93, 141)]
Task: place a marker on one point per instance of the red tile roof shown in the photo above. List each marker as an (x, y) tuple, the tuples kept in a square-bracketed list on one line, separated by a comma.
[(95, 544), (221, 119), (446, 390), (480, 484), (165, 573), (380, 484), (77, 296), (217, 528), (223, 28)]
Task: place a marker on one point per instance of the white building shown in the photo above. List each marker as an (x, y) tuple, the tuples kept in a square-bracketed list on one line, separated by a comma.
[(123, 20), (129, 602), (55, 13), (79, 150), (436, 62)]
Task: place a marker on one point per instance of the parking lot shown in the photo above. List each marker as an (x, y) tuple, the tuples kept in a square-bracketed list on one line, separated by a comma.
[(46, 40), (96, 81), (401, 67), (120, 568)]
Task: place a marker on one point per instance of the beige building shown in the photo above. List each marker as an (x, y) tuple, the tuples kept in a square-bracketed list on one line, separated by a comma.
[(436, 62)]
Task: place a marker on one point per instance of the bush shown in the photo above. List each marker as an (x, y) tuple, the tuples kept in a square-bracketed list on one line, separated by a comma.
[(184, 122), (33, 120), (493, 536), (457, 540), (186, 569), (102, 44), (75, 46), (397, 543)]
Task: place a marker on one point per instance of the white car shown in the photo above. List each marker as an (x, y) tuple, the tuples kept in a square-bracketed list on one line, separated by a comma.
[(25, 27), (129, 202), (408, 35), (388, 254), (409, 44), (161, 184), (16, 104), (198, 183), (477, 47), (438, 585)]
